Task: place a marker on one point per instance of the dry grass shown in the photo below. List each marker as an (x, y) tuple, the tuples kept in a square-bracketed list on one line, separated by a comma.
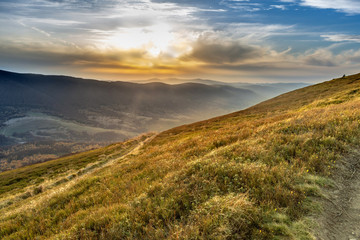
[(248, 175)]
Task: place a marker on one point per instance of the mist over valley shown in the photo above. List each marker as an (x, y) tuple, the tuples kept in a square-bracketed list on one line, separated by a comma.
[(49, 110)]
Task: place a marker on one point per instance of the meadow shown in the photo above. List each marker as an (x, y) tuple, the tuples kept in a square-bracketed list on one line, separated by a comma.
[(253, 174)]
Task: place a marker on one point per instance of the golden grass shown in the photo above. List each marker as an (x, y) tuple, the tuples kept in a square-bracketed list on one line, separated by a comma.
[(247, 175)]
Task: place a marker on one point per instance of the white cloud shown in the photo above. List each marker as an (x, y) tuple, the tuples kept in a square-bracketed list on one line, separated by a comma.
[(256, 32), (282, 7), (347, 6), (244, 5), (341, 38)]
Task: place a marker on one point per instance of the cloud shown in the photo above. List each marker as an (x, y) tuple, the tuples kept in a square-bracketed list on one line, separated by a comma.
[(331, 57), (215, 39), (353, 56), (46, 57), (244, 5), (322, 57), (281, 7), (252, 32), (347, 6), (209, 50), (342, 38), (318, 61), (89, 23)]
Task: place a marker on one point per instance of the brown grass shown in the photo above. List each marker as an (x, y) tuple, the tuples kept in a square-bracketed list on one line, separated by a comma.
[(248, 175)]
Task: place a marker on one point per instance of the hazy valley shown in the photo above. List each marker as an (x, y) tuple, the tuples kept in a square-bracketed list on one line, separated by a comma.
[(50, 116)]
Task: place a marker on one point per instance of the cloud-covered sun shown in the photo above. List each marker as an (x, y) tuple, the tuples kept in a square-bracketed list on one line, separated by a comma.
[(154, 40)]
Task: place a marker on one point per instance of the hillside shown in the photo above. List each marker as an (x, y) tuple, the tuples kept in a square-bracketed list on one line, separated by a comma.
[(123, 108), (260, 173), (133, 108), (43, 117)]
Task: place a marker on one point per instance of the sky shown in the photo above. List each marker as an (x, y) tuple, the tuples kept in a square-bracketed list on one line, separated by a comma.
[(226, 40)]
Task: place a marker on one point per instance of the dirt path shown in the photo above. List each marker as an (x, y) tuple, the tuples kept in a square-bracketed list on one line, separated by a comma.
[(133, 151), (341, 217), (53, 188)]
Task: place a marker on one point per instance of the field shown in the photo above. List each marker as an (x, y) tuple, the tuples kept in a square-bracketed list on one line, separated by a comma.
[(40, 125), (255, 174)]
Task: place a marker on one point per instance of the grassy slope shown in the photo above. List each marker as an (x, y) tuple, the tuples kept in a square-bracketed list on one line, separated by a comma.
[(55, 172), (253, 174)]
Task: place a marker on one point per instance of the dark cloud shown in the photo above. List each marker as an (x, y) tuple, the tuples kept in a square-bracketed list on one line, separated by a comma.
[(355, 58), (34, 57), (323, 62), (219, 53), (249, 67)]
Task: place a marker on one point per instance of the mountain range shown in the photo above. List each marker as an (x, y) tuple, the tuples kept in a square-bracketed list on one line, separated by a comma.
[(130, 107), (42, 116)]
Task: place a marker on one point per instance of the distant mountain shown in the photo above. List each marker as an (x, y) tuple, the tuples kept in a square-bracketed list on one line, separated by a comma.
[(181, 81), (53, 102), (61, 114), (269, 90), (265, 90)]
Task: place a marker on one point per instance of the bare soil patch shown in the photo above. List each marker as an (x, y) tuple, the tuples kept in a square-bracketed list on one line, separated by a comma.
[(341, 214)]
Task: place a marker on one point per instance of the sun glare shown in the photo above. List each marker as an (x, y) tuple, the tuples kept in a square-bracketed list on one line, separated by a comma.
[(154, 40)]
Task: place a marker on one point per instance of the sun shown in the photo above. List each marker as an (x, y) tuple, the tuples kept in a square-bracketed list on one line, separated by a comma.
[(154, 40)]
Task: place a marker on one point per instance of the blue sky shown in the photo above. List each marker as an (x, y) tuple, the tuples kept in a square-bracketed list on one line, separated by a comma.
[(228, 40)]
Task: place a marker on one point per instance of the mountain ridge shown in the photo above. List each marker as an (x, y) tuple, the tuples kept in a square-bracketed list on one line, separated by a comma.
[(68, 114)]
